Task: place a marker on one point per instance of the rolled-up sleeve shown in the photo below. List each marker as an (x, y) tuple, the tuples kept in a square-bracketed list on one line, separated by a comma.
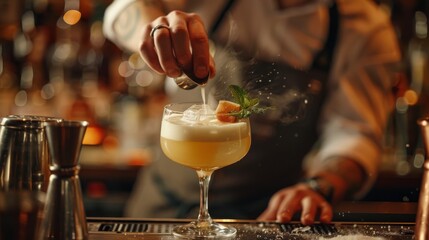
[(360, 101)]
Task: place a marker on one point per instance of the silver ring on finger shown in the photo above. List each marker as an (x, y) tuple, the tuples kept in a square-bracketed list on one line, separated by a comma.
[(157, 27)]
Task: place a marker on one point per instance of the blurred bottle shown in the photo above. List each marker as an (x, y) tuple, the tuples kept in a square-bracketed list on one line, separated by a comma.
[(8, 78), (417, 96), (91, 101), (10, 14), (30, 45)]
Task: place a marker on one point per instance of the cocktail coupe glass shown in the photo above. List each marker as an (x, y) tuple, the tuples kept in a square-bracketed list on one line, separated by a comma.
[(196, 139)]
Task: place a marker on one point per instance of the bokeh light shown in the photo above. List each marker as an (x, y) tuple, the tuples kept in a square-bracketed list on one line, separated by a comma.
[(71, 17)]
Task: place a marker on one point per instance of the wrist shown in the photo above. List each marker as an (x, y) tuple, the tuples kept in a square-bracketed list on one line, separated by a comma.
[(345, 175), (321, 186)]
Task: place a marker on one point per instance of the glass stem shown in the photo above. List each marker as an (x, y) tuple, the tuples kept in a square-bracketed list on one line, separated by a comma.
[(204, 218)]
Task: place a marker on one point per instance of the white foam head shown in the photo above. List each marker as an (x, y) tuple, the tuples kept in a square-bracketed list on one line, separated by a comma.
[(176, 128)]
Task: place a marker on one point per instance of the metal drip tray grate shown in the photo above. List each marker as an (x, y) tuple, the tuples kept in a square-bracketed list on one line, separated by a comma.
[(121, 228), (135, 227), (322, 229), (166, 228)]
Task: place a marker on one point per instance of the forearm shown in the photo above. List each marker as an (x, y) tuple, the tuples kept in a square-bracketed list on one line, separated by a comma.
[(356, 114), (124, 24)]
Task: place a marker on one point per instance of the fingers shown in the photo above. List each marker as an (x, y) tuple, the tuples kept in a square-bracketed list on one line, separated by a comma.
[(200, 47), (311, 206), (147, 51), (290, 205), (180, 39), (284, 204), (282, 207), (326, 212), (164, 49), (271, 212), (184, 45), (309, 209)]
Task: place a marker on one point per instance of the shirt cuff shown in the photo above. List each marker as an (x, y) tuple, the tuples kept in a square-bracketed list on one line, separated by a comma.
[(111, 15)]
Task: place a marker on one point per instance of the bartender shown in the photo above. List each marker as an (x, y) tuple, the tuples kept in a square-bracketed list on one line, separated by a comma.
[(327, 69)]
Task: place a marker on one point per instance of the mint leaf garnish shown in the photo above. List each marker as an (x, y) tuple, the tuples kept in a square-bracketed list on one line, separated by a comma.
[(247, 104)]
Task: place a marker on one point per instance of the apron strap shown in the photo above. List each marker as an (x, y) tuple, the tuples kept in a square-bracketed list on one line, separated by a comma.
[(221, 16), (324, 58)]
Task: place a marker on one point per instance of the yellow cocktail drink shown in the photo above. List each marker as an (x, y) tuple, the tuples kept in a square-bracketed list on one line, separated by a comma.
[(207, 145), (192, 135)]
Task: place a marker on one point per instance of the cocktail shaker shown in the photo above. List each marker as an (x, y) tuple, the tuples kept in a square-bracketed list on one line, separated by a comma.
[(20, 214), (24, 154), (422, 217), (64, 213)]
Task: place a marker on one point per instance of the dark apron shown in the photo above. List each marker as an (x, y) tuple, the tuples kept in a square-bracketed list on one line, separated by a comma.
[(281, 138)]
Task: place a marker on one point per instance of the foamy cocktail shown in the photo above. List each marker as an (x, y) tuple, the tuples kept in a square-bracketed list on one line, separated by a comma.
[(192, 135), (205, 144)]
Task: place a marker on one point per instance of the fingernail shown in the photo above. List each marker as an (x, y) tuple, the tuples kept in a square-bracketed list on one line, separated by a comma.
[(284, 216)]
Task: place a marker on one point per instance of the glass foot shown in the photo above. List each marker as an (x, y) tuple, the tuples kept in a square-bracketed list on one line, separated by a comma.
[(209, 231)]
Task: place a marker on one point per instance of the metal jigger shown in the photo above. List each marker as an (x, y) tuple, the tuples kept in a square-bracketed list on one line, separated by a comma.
[(64, 214), (422, 218)]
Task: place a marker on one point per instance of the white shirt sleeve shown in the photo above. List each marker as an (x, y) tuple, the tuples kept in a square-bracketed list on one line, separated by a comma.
[(361, 97), (111, 15)]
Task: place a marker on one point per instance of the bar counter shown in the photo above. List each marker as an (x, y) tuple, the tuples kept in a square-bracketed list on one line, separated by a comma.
[(352, 220)]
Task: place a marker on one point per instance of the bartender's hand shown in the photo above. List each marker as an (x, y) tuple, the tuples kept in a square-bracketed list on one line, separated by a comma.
[(298, 198), (303, 198), (178, 42)]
